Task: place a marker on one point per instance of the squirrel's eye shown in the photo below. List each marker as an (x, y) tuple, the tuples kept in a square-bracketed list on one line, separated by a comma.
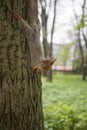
[(44, 67)]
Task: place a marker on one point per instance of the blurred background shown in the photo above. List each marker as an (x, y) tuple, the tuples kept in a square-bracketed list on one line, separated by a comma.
[(64, 36)]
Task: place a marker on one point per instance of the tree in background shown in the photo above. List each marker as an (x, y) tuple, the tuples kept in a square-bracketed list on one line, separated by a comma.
[(44, 20), (20, 93), (84, 34), (46, 8), (81, 28)]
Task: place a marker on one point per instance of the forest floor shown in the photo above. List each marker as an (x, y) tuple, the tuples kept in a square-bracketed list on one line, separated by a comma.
[(66, 92)]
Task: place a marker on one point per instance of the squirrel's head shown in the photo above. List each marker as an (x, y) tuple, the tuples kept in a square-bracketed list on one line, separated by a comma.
[(46, 64)]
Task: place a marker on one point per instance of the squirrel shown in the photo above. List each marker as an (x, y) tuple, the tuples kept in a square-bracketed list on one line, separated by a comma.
[(38, 62)]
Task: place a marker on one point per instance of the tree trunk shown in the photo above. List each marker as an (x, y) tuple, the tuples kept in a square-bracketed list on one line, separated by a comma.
[(44, 32), (49, 78), (20, 93), (82, 58)]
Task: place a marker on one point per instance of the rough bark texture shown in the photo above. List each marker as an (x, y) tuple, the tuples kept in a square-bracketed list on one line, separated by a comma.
[(20, 94)]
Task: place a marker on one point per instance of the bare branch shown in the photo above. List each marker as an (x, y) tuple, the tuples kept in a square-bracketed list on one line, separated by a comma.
[(53, 25)]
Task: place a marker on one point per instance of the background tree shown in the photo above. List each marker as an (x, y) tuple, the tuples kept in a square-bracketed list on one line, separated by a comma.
[(80, 26), (46, 8), (20, 93), (84, 34), (44, 20)]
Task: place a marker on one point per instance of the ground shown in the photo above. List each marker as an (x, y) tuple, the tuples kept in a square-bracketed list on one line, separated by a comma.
[(67, 93)]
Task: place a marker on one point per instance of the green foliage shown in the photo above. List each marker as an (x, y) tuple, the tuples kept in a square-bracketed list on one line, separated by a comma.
[(79, 26), (59, 117), (65, 53), (65, 103), (63, 117)]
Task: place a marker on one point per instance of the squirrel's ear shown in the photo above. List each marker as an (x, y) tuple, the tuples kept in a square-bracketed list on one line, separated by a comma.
[(52, 60)]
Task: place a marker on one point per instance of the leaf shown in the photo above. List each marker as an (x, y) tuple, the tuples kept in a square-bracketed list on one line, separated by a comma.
[(79, 26)]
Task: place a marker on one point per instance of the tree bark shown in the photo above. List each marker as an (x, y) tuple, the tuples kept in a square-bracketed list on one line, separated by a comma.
[(20, 93)]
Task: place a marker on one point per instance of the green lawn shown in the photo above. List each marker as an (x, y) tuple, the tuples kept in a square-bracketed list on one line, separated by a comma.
[(69, 91)]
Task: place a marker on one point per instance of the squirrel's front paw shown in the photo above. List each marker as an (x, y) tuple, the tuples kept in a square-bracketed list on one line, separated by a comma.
[(35, 71)]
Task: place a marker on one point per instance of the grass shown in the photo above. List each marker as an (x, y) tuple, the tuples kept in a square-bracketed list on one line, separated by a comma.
[(66, 89)]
